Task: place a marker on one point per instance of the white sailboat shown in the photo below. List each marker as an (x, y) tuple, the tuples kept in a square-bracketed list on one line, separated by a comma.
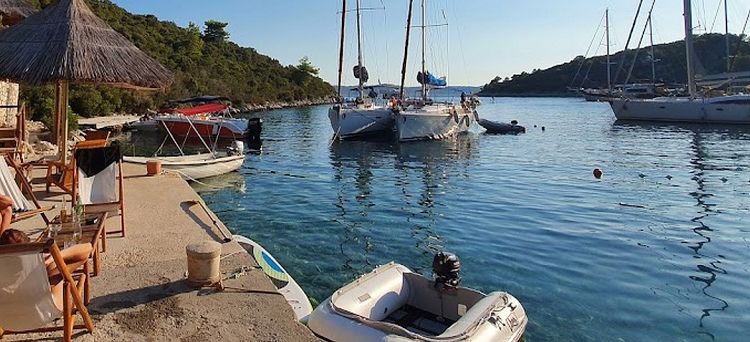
[(423, 118), (361, 117), (729, 109)]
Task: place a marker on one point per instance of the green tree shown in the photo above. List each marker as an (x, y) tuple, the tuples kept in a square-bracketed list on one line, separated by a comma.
[(306, 66), (215, 32)]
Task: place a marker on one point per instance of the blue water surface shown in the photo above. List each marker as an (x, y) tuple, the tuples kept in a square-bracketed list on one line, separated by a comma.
[(657, 250)]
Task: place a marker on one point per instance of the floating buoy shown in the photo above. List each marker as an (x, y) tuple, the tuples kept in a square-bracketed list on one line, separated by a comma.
[(542, 128), (597, 173)]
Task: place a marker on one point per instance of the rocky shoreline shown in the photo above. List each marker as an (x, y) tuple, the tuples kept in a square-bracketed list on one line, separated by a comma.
[(281, 105)]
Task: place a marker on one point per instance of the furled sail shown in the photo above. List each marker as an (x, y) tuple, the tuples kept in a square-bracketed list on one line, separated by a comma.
[(431, 80), (361, 73)]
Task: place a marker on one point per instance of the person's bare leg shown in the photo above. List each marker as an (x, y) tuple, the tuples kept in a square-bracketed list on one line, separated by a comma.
[(7, 217)]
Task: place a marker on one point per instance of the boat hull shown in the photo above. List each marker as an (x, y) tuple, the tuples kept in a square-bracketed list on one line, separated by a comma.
[(683, 110), (196, 166), (283, 282), (348, 123), (433, 122), (223, 128)]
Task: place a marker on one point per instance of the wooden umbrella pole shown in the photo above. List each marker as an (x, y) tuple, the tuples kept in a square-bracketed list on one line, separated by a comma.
[(56, 118), (62, 118)]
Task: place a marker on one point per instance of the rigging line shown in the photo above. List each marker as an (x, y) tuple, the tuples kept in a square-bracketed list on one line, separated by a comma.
[(580, 65), (640, 43), (621, 64), (716, 16), (588, 71), (739, 41), (460, 41)]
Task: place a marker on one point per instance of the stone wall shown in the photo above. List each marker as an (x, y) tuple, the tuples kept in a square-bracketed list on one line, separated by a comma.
[(8, 97)]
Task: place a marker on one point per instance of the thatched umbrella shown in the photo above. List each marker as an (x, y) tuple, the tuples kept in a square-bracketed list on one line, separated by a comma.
[(13, 11), (66, 43)]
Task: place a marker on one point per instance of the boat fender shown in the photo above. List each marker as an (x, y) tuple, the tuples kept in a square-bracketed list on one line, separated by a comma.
[(467, 119), (455, 116), (476, 116)]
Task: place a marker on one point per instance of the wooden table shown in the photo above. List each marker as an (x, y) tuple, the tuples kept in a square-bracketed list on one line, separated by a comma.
[(91, 233)]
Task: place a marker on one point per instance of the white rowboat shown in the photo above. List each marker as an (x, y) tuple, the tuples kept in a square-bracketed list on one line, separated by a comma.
[(197, 166)]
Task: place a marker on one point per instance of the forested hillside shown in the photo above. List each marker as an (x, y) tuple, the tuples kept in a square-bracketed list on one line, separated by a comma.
[(670, 68), (203, 60)]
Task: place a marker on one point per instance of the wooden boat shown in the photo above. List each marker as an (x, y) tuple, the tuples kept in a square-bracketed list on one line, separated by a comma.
[(283, 282), (392, 303), (196, 166)]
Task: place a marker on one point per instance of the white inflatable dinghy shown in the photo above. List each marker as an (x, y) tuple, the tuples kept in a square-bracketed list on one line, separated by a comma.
[(394, 304)]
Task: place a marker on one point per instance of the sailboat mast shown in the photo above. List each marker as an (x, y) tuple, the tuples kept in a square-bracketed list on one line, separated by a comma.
[(726, 35), (406, 49), (653, 56), (609, 63), (424, 42), (359, 52), (341, 45), (689, 48)]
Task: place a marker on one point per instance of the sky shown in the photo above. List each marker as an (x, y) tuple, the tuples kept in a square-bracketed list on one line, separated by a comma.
[(483, 38)]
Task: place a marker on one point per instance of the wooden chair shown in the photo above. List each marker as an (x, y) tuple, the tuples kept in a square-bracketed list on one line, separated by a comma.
[(12, 138), (29, 304), (18, 188), (61, 174), (104, 191)]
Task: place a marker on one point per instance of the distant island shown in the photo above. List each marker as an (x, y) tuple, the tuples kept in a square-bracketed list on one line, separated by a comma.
[(203, 60), (670, 68)]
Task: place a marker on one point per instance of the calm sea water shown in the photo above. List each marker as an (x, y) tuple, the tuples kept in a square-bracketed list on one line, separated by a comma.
[(658, 249)]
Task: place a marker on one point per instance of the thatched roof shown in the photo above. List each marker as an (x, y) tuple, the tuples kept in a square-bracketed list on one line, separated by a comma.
[(67, 41), (15, 8)]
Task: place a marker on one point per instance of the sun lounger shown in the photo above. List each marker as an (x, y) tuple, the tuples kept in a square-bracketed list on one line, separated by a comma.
[(23, 207)]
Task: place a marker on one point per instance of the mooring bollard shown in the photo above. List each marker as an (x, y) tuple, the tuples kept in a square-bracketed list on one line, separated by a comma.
[(203, 261)]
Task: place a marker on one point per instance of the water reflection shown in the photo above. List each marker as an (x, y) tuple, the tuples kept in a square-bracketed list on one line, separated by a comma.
[(701, 195), (423, 170), (700, 138)]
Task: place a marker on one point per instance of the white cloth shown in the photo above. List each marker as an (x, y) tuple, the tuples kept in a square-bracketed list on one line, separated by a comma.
[(9, 187), (99, 188), (26, 301)]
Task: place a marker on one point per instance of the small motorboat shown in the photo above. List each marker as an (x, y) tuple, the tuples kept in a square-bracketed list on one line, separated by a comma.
[(195, 166), (394, 304), (283, 282), (494, 127)]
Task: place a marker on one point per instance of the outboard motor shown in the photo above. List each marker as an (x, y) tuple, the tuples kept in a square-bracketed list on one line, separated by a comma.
[(446, 267), (237, 148)]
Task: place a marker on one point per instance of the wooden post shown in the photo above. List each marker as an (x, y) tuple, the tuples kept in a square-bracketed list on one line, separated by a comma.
[(61, 119)]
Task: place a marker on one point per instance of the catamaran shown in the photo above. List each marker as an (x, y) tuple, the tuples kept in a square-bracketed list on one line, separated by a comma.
[(727, 109), (362, 117), (424, 118)]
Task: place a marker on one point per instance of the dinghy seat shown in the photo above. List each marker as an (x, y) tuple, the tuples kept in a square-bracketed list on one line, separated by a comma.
[(377, 297)]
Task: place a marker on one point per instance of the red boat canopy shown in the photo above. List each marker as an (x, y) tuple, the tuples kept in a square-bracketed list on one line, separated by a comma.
[(202, 109)]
